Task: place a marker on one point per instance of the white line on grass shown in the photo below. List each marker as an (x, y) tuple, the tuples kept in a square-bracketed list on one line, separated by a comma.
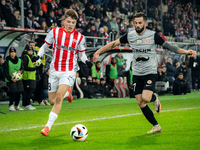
[(122, 99), (95, 119)]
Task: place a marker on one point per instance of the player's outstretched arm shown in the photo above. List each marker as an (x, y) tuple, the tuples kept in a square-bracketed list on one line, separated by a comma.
[(187, 52), (106, 48), (178, 50)]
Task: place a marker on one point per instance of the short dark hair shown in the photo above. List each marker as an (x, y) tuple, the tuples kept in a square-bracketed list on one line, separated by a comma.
[(98, 62), (72, 13), (31, 42), (51, 11), (183, 63), (140, 14)]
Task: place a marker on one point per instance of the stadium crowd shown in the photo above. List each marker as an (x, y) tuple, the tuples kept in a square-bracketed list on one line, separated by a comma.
[(181, 76), (97, 18)]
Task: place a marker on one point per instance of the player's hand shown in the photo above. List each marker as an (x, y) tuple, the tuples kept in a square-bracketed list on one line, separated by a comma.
[(95, 56), (13, 80), (191, 52), (35, 58), (19, 71)]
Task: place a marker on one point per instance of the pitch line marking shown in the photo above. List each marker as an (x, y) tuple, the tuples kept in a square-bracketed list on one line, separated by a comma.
[(95, 119)]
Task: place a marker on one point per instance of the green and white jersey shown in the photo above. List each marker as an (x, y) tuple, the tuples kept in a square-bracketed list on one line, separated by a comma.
[(144, 54)]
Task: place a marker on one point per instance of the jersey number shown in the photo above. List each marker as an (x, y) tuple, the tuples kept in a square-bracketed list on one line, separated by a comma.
[(49, 86), (134, 85)]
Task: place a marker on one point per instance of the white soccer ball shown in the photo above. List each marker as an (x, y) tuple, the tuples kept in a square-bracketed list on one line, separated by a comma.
[(16, 75), (37, 63), (79, 132)]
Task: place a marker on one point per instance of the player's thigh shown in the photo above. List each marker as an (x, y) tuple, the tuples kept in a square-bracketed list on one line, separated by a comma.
[(53, 81), (138, 85), (149, 87), (150, 82), (147, 95), (67, 78)]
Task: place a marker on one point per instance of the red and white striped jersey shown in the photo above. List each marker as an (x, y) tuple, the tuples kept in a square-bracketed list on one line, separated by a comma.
[(65, 47)]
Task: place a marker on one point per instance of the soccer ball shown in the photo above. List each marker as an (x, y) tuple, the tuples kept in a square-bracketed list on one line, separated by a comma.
[(16, 75), (37, 63), (79, 132)]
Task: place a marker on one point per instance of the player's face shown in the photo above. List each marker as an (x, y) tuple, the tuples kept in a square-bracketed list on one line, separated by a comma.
[(140, 25), (70, 24), (103, 82), (98, 81), (99, 65), (12, 55), (30, 52), (32, 44), (180, 77)]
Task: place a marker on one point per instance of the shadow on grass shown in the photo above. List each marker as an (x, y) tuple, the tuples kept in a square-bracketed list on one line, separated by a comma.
[(143, 140), (49, 142), (41, 142)]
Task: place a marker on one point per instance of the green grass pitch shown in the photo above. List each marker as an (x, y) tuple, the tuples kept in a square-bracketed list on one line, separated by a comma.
[(113, 124)]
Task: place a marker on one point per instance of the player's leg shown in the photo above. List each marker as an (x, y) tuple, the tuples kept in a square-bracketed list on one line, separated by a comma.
[(142, 100), (146, 110), (52, 97), (59, 95), (56, 98), (62, 90), (148, 95)]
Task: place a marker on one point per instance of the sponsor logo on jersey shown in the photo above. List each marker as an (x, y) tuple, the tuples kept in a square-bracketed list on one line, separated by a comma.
[(142, 59), (146, 41), (141, 50), (66, 47)]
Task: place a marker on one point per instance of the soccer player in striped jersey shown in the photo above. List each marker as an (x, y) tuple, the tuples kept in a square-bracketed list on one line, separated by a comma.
[(144, 66), (66, 43)]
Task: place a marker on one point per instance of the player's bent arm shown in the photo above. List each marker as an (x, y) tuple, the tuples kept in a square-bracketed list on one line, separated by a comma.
[(43, 49), (109, 46), (106, 48), (83, 56)]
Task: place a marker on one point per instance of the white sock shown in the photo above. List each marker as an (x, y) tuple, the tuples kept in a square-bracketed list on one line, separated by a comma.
[(52, 117), (66, 94)]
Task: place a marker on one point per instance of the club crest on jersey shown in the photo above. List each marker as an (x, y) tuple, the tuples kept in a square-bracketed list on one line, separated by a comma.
[(139, 41), (146, 41), (74, 41), (149, 81)]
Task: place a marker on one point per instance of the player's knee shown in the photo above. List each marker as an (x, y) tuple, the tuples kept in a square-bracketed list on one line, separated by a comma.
[(51, 103), (58, 98), (146, 98), (141, 104)]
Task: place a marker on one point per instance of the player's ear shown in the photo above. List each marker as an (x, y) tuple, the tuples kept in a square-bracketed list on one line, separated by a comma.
[(146, 23)]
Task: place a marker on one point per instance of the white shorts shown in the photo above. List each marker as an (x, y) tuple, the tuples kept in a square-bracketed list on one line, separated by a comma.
[(57, 78)]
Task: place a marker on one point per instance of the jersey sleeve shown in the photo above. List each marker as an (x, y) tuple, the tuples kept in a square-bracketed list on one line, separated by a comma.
[(124, 39), (158, 39), (49, 38), (81, 45)]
